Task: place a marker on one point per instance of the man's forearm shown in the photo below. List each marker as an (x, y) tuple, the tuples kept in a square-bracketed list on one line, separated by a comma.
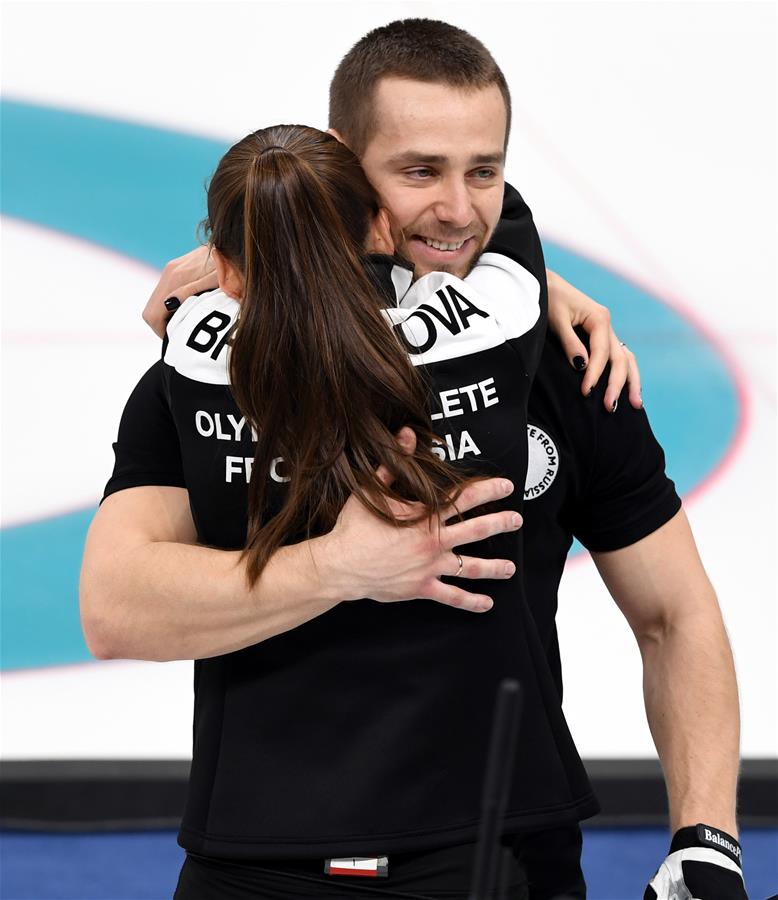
[(689, 682), (692, 708), (148, 591), (181, 601)]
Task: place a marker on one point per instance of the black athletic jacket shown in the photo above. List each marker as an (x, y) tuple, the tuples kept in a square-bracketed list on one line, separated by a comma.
[(365, 730)]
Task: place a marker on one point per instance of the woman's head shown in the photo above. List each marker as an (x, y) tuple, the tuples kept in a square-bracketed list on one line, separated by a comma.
[(314, 366), (260, 174)]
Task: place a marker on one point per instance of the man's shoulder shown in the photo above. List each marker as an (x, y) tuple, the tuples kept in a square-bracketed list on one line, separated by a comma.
[(556, 400), (196, 307), (558, 379), (198, 337), (617, 490), (513, 204)]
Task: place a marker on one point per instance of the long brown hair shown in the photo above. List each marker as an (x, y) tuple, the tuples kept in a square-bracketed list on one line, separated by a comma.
[(314, 366)]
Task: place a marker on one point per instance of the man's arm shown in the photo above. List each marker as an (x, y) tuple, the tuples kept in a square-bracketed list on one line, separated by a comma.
[(568, 308), (148, 592), (689, 683)]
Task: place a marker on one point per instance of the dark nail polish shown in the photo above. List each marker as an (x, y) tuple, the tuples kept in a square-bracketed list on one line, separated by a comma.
[(589, 392), (615, 405), (172, 303), (579, 363)]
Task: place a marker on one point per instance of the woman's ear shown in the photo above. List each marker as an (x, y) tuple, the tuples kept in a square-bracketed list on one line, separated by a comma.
[(230, 279), (380, 240)]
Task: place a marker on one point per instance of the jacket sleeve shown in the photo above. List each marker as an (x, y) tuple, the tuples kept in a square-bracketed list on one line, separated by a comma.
[(147, 450)]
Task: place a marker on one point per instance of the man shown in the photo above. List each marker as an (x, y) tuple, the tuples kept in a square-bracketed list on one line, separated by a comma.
[(415, 121)]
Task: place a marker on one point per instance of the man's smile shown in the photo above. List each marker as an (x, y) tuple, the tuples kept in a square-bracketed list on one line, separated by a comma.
[(430, 253), (439, 244)]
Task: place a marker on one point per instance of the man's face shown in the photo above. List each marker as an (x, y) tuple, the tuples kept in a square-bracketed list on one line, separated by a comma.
[(437, 161)]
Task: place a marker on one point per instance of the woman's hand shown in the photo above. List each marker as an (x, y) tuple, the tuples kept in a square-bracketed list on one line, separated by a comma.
[(190, 274), (569, 308)]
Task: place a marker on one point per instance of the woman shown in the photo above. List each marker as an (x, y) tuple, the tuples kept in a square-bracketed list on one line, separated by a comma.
[(362, 731), (290, 217)]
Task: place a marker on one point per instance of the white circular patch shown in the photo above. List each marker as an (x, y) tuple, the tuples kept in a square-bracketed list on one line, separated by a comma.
[(543, 462)]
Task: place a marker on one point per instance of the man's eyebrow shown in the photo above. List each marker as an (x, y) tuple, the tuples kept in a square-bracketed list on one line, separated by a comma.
[(418, 157), (485, 159), (411, 157)]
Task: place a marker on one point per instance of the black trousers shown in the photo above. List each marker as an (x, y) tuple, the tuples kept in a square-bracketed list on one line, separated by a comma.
[(541, 865)]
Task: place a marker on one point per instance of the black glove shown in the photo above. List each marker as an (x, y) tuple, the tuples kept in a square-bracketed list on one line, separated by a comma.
[(704, 864)]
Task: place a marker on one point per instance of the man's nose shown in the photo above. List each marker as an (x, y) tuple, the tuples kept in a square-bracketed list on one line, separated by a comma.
[(454, 206)]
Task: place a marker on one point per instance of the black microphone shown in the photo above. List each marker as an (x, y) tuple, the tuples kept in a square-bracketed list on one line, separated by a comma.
[(497, 785)]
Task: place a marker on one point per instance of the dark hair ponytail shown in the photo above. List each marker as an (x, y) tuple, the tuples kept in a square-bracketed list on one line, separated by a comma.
[(314, 366)]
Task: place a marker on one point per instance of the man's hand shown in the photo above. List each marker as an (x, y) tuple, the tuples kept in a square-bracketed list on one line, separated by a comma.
[(704, 864), (149, 592), (190, 274), (690, 691), (375, 559), (568, 308)]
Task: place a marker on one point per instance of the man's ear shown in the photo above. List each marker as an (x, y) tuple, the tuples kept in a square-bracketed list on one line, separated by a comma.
[(336, 134), (380, 240), (230, 279)]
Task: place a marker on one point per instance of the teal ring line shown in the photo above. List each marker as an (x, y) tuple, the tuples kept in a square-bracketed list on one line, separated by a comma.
[(139, 190)]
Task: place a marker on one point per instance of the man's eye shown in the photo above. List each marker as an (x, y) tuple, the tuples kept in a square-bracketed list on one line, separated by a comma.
[(484, 174), (420, 173)]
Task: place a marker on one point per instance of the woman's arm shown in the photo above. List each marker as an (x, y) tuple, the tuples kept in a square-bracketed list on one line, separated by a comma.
[(567, 308), (192, 273)]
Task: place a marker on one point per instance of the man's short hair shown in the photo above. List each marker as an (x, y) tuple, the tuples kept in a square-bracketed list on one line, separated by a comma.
[(419, 49)]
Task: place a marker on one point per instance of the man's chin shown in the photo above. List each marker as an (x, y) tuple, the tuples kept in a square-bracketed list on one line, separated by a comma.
[(427, 259)]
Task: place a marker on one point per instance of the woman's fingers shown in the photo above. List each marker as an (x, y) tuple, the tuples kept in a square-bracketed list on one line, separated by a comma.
[(572, 346), (618, 374), (624, 371), (633, 380), (598, 327), (189, 274)]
